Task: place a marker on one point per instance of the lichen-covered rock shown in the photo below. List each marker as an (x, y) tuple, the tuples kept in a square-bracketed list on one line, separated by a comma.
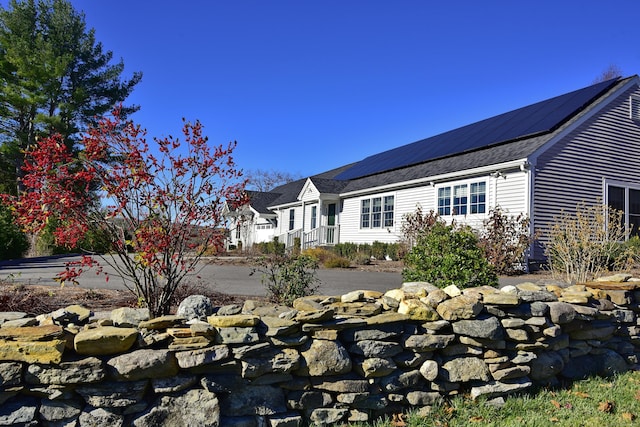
[(193, 408), (84, 371), (465, 369), (461, 307), (127, 317), (195, 307), (323, 357), (143, 364), (488, 327)]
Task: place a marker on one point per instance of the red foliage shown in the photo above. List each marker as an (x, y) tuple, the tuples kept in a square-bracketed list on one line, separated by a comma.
[(165, 207)]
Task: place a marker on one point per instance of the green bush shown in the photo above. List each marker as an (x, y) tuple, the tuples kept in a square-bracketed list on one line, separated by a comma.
[(448, 255), (287, 277), (274, 247), (13, 242), (346, 250)]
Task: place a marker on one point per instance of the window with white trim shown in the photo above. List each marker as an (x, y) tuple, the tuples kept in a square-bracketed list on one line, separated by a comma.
[(377, 212), (292, 219), (626, 198), (314, 217), (463, 199)]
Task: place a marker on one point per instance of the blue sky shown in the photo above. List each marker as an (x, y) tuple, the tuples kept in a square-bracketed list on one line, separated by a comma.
[(306, 86)]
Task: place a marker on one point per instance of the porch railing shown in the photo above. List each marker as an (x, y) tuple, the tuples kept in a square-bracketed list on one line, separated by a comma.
[(326, 235)]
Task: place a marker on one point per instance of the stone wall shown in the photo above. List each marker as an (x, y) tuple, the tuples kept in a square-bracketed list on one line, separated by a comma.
[(330, 359)]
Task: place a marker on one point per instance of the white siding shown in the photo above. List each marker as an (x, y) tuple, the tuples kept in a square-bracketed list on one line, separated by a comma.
[(573, 170)]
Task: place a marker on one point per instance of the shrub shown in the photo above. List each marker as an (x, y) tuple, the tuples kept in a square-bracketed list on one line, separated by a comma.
[(287, 277), (274, 247), (321, 255), (448, 255), (13, 242), (347, 250), (505, 241), (337, 262), (583, 244)]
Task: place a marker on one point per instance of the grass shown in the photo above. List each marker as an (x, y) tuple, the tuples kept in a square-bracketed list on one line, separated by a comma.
[(592, 402)]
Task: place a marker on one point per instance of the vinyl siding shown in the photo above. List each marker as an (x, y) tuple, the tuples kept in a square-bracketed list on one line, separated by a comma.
[(573, 170)]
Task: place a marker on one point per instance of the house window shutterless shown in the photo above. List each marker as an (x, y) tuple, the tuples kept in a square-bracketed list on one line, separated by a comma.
[(463, 199), (626, 199), (314, 217), (292, 219), (377, 212)]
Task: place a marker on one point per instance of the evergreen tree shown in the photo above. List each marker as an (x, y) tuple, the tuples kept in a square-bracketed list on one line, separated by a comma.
[(54, 78)]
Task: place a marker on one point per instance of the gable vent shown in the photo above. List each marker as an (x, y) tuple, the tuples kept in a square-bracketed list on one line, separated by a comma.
[(634, 108)]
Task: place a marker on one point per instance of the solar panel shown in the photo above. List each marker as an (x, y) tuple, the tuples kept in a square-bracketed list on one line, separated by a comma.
[(541, 117)]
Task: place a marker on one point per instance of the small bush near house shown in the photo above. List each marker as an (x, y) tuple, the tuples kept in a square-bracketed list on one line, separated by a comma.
[(448, 255), (346, 250), (505, 241), (13, 242), (337, 262), (274, 247), (287, 277), (583, 244)]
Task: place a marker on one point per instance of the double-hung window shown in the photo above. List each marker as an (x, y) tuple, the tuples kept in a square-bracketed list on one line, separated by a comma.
[(292, 219), (314, 217), (377, 212), (463, 199), (626, 198)]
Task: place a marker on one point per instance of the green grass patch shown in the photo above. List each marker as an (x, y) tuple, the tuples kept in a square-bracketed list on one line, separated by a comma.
[(594, 402)]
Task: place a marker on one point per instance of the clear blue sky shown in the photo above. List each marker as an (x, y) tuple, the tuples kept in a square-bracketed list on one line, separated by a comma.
[(306, 86)]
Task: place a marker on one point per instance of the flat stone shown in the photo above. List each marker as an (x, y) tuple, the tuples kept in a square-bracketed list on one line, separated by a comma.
[(143, 364), (32, 333), (45, 352), (317, 316), (234, 321), (192, 408), (204, 356), (489, 328), (162, 322), (462, 307), (127, 317), (465, 369), (83, 371), (106, 340), (375, 348), (428, 342), (496, 388), (561, 312), (500, 298)]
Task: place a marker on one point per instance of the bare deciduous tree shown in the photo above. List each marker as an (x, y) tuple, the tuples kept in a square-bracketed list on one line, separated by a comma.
[(266, 180)]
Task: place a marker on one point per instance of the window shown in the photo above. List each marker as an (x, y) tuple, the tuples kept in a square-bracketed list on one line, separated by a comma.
[(376, 215), (377, 212), (460, 200), (292, 219), (444, 201), (314, 217), (626, 199), (388, 211), (463, 199), (365, 212), (478, 197)]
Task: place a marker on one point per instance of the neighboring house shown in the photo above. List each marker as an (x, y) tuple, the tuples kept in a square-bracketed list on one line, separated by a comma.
[(537, 160)]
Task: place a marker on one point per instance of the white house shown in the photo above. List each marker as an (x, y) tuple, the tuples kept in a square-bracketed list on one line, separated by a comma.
[(537, 160)]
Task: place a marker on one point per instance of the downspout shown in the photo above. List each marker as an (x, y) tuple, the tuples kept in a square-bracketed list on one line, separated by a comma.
[(530, 200)]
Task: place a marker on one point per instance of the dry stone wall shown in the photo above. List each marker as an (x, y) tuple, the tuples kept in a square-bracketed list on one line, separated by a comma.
[(328, 359)]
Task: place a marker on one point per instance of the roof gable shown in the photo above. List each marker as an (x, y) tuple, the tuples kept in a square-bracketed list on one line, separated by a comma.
[(536, 119)]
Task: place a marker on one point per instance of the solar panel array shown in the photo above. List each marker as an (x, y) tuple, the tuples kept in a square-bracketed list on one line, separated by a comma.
[(542, 117)]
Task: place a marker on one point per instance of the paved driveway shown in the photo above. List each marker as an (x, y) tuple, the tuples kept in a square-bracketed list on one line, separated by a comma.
[(230, 279)]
